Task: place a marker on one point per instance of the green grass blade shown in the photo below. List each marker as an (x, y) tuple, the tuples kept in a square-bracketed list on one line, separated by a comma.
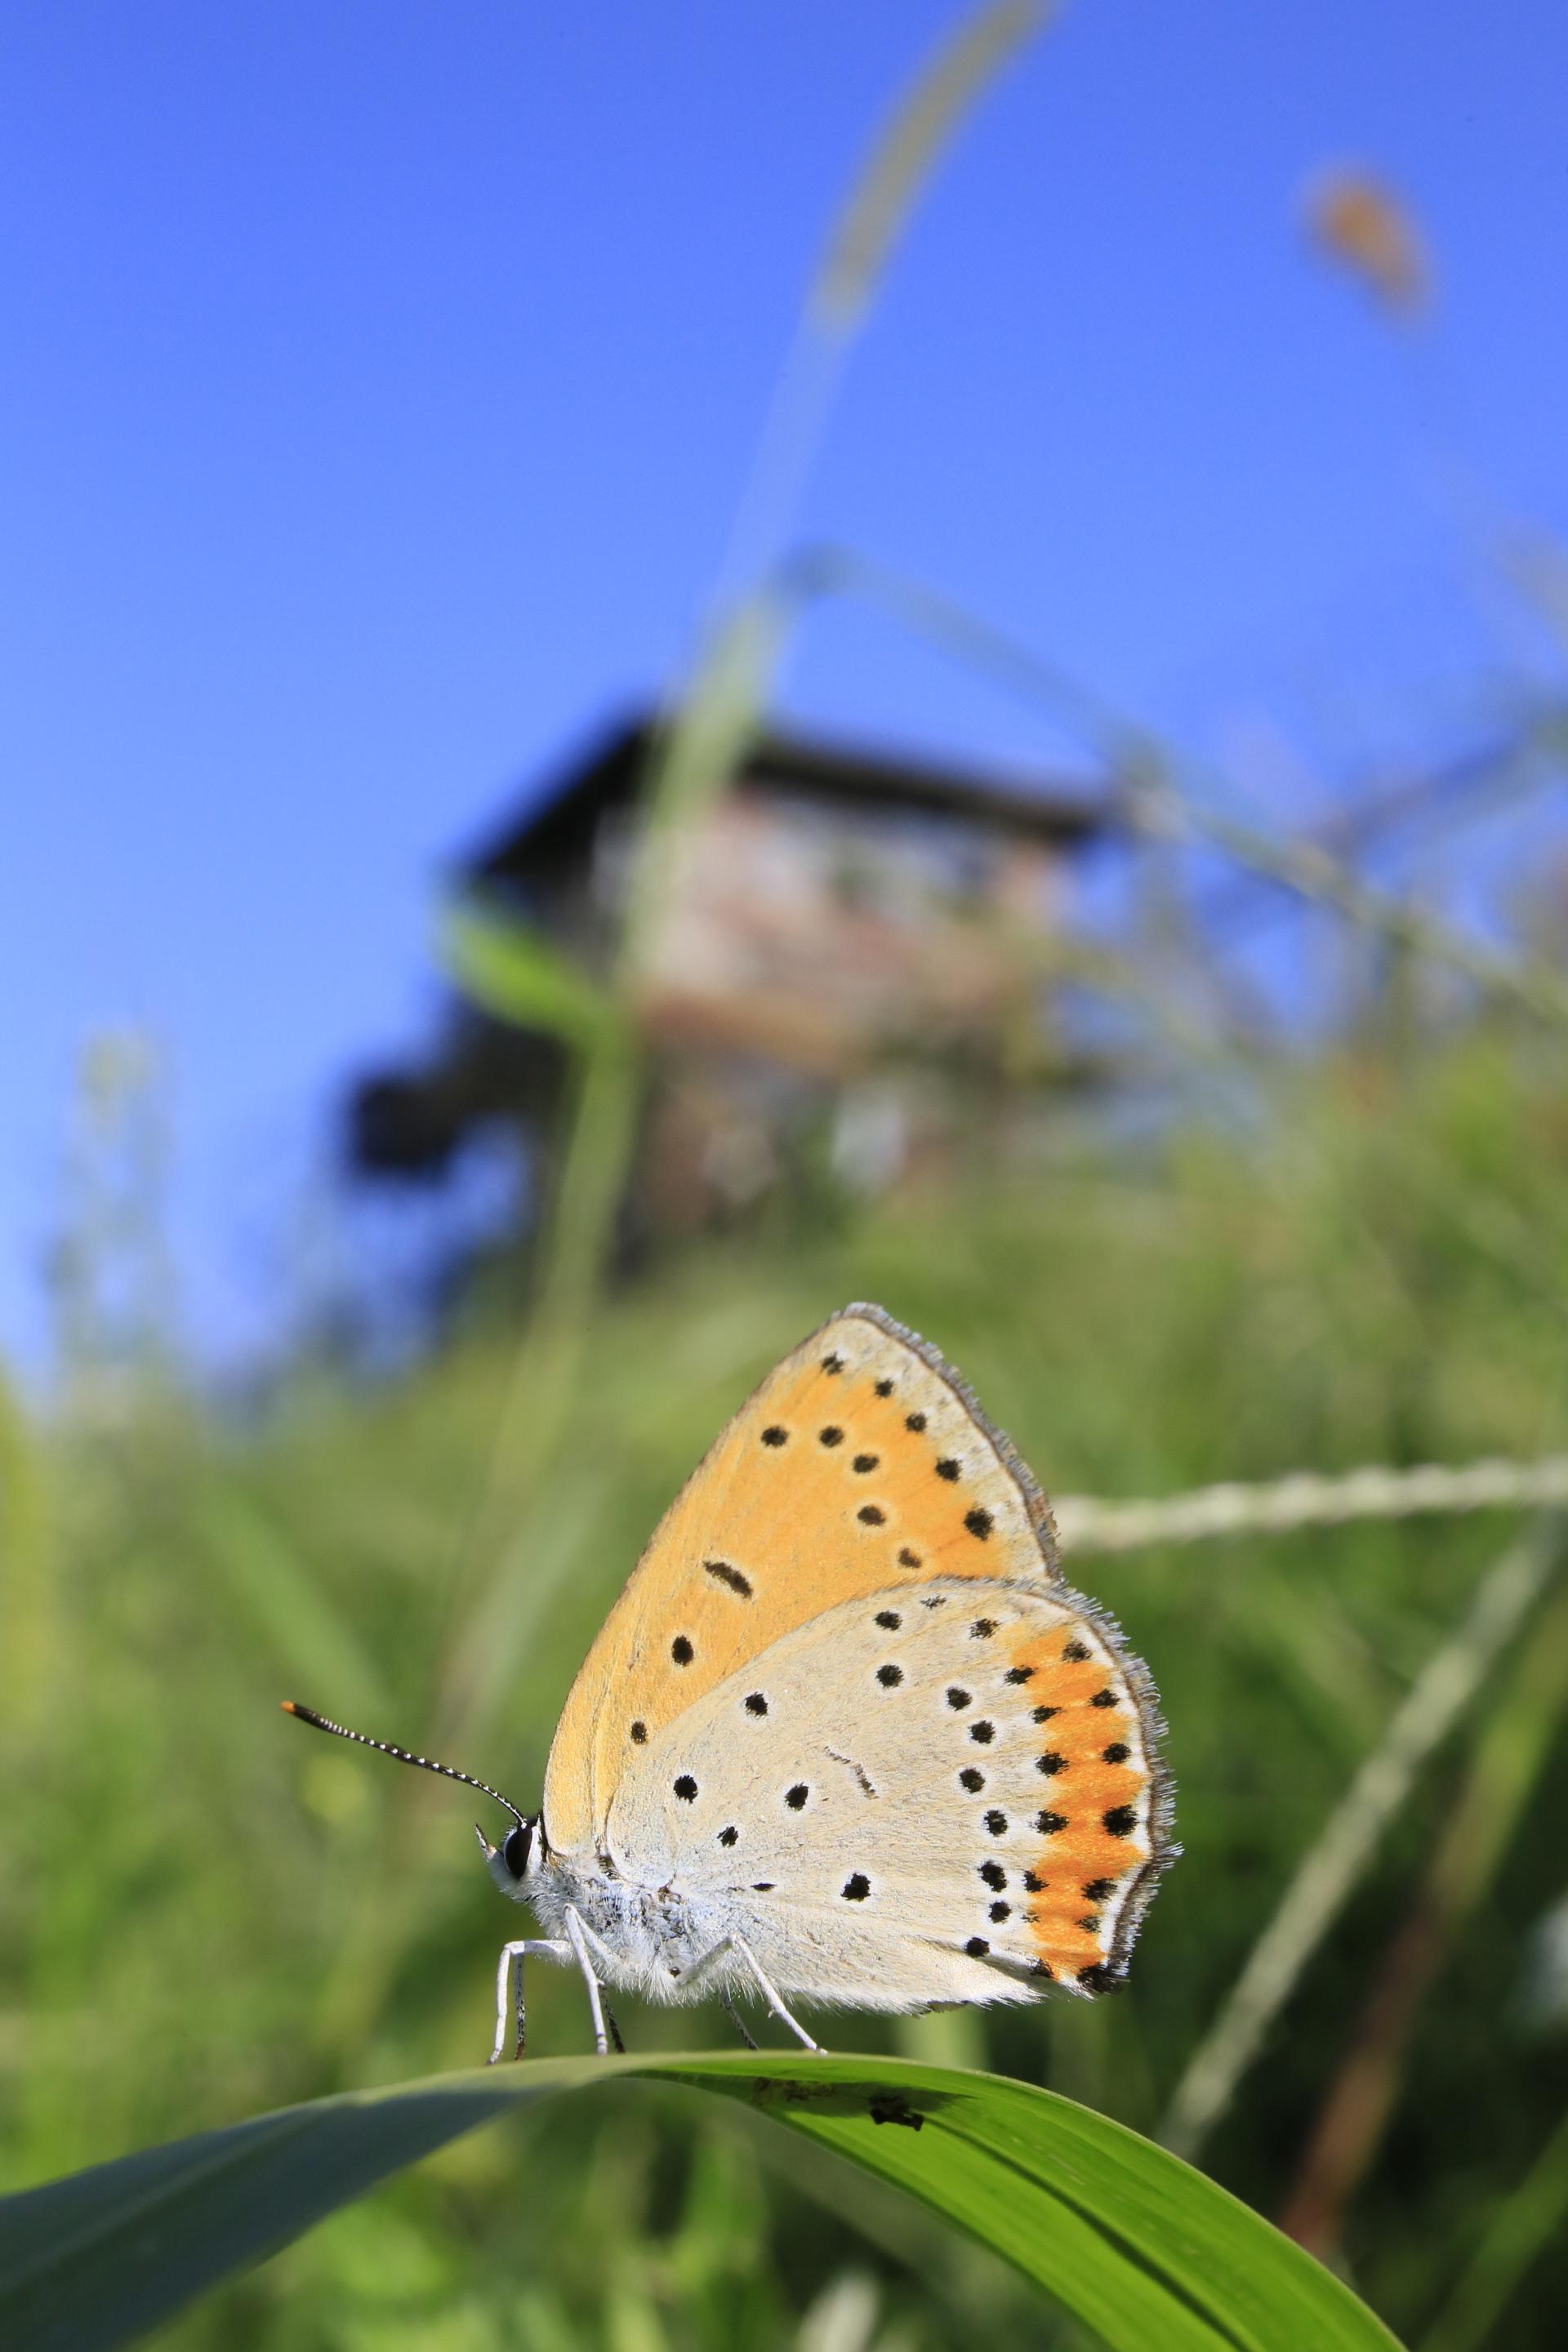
[(1127, 2237), (27, 1597), (909, 151), (1524, 2226), (1325, 1876), (289, 1608), (517, 975), (1124, 2235), (98, 2258)]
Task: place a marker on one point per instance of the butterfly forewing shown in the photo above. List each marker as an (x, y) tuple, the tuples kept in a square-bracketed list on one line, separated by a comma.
[(941, 1792), (860, 1464)]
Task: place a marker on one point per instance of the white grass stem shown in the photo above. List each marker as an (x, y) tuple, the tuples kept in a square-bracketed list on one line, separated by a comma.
[(1086, 1523)]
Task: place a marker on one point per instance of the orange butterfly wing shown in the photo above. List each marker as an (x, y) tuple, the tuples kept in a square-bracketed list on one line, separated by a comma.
[(861, 1465)]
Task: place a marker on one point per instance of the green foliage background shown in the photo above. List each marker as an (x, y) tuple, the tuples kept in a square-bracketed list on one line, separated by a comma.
[(208, 1911)]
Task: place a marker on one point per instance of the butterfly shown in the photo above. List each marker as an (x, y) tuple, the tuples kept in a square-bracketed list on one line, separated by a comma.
[(847, 1737)]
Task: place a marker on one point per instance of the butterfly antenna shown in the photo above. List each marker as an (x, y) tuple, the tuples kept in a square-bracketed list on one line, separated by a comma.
[(404, 1756)]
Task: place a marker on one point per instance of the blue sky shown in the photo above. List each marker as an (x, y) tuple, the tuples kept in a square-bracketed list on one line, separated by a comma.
[(382, 377)]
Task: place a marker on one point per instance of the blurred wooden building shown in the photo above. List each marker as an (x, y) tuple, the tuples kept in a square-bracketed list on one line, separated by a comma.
[(855, 961)]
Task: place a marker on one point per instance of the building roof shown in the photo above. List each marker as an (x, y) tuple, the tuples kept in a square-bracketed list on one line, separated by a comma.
[(556, 832)]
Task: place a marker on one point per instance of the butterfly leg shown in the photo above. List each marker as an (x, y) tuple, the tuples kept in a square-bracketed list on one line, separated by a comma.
[(771, 1996), (710, 1960), (575, 1930), (514, 1955), (738, 2022)]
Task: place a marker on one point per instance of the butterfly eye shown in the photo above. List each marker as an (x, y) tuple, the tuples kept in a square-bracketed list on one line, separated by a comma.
[(517, 1848)]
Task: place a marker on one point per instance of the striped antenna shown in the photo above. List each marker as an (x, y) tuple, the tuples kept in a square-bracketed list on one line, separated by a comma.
[(404, 1756)]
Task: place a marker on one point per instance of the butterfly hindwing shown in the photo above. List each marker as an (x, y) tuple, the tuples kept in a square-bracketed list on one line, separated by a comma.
[(941, 1792)]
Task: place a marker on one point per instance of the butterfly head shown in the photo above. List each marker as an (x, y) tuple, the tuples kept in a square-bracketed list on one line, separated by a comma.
[(514, 1861), (520, 1851)]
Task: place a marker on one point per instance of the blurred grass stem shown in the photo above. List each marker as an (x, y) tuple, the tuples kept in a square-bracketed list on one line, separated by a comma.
[(708, 728), (1523, 2225), (28, 1641), (1512, 1750), (1148, 774), (1326, 1875), (1307, 1499)]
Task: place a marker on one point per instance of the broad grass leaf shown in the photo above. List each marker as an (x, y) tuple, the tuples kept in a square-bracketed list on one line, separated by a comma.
[(1132, 2240)]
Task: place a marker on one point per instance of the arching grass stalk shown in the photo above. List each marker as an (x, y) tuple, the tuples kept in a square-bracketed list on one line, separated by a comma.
[(1153, 780), (708, 724)]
